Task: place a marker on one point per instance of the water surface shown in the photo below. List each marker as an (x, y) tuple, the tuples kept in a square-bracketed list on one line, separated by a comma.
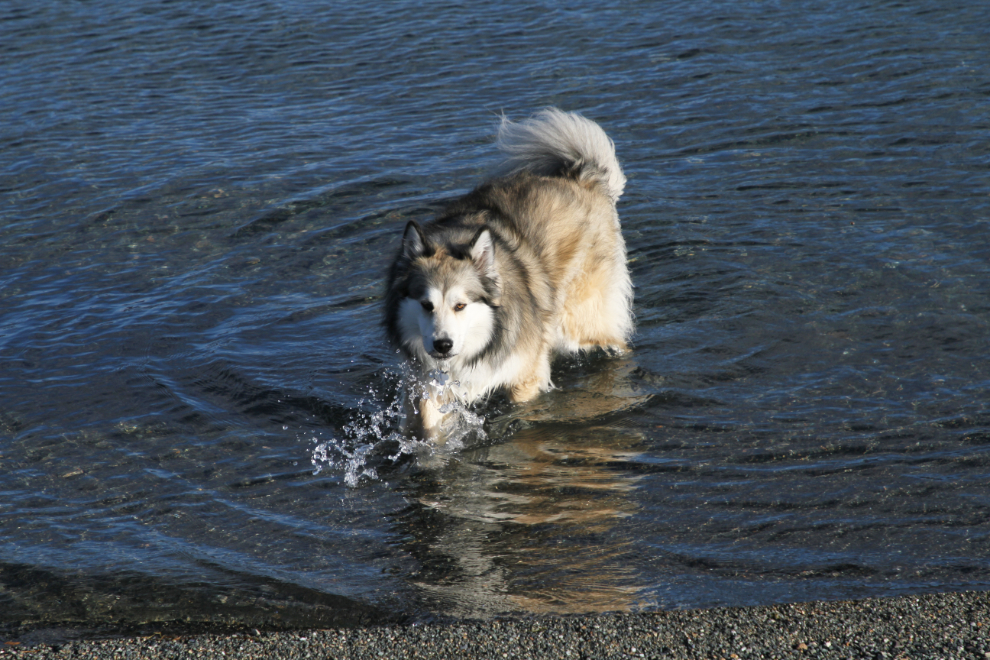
[(198, 207)]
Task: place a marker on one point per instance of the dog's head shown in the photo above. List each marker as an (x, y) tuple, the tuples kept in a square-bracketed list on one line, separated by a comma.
[(450, 291)]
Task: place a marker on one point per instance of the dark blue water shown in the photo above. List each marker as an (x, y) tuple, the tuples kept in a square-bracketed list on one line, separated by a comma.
[(198, 206)]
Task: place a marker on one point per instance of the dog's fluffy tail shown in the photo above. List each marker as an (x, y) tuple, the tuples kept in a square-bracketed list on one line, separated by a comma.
[(553, 142)]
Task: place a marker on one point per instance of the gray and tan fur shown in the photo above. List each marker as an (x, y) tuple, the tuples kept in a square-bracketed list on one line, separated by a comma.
[(529, 264)]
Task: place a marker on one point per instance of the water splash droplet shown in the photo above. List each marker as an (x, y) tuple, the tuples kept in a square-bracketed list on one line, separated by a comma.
[(373, 436)]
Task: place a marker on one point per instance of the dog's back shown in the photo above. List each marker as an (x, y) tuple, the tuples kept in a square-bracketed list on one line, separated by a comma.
[(567, 213)]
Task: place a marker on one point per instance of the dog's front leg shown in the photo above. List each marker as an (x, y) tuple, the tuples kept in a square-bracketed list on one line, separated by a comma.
[(432, 404), (536, 380), (432, 419)]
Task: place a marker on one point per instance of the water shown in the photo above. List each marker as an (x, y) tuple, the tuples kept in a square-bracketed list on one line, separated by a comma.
[(198, 207)]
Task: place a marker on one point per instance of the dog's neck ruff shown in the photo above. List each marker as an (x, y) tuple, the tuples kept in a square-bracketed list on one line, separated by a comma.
[(466, 378)]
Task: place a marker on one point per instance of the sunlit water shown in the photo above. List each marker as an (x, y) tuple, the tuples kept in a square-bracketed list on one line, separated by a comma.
[(200, 418)]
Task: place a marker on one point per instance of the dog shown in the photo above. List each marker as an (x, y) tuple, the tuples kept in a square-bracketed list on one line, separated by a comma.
[(530, 264)]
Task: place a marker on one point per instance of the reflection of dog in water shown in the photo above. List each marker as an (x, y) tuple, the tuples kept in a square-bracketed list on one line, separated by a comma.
[(539, 523), (526, 265)]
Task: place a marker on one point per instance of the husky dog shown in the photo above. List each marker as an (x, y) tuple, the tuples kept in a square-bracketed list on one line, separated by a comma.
[(529, 264)]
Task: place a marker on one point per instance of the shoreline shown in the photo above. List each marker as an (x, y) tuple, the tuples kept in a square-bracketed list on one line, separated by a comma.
[(945, 625)]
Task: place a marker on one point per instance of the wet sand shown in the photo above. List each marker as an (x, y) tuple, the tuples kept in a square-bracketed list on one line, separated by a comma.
[(954, 625)]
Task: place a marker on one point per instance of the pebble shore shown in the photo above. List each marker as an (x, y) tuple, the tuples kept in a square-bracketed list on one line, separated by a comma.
[(943, 626)]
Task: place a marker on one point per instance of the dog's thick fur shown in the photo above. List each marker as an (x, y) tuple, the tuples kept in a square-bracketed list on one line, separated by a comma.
[(526, 265)]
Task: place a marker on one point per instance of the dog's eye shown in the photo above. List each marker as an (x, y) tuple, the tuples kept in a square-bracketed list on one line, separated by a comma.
[(427, 305), (459, 306)]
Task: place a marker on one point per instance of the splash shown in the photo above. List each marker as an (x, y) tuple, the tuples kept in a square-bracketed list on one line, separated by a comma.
[(377, 435)]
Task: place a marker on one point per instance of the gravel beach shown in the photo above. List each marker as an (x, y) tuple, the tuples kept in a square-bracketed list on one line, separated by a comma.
[(954, 625)]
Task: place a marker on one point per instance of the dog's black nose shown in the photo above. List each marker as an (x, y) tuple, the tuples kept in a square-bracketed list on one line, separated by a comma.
[(443, 345)]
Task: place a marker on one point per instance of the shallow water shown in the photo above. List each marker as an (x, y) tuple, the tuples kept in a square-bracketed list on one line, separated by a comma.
[(197, 403)]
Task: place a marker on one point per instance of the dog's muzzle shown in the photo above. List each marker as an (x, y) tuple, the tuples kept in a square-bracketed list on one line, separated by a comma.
[(442, 347)]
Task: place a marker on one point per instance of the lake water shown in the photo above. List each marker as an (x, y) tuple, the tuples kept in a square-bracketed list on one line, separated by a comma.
[(199, 204)]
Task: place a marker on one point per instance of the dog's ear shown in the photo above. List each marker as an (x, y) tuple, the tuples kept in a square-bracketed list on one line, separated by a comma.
[(483, 255), (483, 252), (413, 243)]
